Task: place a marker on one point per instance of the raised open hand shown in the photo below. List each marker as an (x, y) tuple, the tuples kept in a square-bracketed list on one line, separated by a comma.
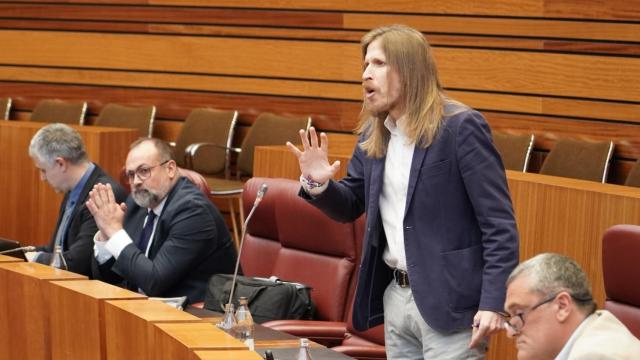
[(314, 159)]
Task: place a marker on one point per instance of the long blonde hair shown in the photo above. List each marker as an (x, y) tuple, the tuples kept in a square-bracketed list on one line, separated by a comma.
[(407, 51)]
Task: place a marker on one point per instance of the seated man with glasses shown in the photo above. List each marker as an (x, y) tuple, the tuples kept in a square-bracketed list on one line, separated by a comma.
[(168, 239), (552, 314)]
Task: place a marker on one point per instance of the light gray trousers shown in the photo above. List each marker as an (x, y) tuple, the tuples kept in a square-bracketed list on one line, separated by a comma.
[(407, 335)]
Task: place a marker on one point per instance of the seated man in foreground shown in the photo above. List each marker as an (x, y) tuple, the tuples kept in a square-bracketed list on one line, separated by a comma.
[(59, 154), (553, 316), (168, 239)]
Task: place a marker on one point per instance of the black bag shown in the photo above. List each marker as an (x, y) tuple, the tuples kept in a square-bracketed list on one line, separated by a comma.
[(269, 299)]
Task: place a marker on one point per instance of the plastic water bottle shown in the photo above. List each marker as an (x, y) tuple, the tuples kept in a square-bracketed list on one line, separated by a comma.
[(245, 327), (57, 260), (303, 353)]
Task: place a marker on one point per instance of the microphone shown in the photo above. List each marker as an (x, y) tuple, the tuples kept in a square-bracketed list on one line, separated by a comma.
[(263, 190), (23, 249)]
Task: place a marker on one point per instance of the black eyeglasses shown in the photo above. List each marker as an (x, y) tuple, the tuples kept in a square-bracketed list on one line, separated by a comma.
[(143, 172), (516, 322)]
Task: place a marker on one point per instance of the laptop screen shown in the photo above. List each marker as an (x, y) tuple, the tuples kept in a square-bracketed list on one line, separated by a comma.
[(6, 244)]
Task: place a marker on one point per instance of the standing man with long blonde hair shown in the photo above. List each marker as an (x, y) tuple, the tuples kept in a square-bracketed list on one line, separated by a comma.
[(441, 237)]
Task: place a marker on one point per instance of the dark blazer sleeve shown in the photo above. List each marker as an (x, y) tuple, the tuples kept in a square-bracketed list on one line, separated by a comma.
[(82, 227), (185, 233), (486, 185)]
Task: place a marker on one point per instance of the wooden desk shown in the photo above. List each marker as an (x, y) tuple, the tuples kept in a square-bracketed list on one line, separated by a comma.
[(9, 259), (24, 309), (47, 313), (226, 355), (77, 312), (129, 325), (283, 345), (29, 207), (181, 340), (553, 214)]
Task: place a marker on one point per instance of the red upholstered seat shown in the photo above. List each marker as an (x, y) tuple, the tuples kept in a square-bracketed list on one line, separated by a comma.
[(282, 227), (620, 251), (294, 241)]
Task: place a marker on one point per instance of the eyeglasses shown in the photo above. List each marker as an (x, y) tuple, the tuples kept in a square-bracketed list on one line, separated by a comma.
[(516, 322), (143, 172)]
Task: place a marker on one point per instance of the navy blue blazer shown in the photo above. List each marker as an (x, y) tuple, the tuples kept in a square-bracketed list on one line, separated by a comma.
[(460, 234), (78, 244), (190, 244)]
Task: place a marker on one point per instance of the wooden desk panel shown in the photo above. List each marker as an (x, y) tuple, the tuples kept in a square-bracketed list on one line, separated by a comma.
[(553, 214), (129, 326), (181, 340), (9, 259), (225, 355), (29, 209), (77, 312), (24, 309)]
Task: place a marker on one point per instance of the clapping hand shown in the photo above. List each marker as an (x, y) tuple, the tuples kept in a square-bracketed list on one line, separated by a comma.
[(109, 215)]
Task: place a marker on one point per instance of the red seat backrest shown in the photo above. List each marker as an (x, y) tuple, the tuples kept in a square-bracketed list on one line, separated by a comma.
[(620, 251), (291, 239)]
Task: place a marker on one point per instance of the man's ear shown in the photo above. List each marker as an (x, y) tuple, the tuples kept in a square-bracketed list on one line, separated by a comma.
[(59, 161), (565, 306), (172, 168)]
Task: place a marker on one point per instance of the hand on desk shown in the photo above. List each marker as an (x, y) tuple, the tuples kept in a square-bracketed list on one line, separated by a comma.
[(314, 159), (109, 215)]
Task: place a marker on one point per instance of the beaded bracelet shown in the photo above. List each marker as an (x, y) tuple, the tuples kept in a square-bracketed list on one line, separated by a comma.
[(310, 183)]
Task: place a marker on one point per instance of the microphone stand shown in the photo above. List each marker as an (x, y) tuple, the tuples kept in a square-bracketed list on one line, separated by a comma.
[(263, 190), (23, 249)]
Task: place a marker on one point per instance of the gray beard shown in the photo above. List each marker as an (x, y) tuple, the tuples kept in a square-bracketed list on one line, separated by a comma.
[(145, 198)]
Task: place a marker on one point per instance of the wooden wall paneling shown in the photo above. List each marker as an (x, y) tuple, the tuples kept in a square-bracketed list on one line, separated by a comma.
[(617, 78), (611, 10), (230, 56), (547, 130), (622, 111), (173, 81), (500, 26), (174, 14), (484, 25)]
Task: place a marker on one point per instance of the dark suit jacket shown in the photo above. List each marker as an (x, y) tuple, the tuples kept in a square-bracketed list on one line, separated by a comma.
[(460, 234), (190, 244), (78, 244)]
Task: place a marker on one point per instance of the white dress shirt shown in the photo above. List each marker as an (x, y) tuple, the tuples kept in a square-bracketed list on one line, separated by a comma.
[(393, 197), (394, 192)]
